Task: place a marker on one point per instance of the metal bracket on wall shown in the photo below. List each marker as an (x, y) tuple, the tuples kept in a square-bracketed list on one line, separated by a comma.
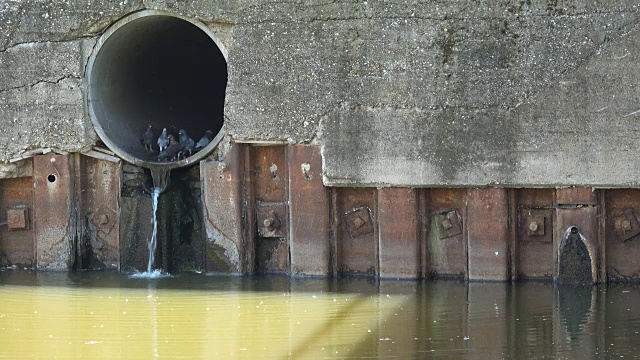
[(359, 221), (626, 225), (18, 218), (272, 220), (451, 224), (536, 225)]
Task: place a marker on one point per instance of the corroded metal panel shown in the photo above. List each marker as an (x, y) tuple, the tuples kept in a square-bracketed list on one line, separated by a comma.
[(535, 198), (223, 199), (534, 248), (16, 244), (272, 255), (18, 218), (446, 255), (134, 232), (99, 195), (270, 178), (621, 240), (399, 239), (488, 227), (576, 196), (586, 221), (273, 220), (53, 207), (355, 255), (309, 206), (269, 170)]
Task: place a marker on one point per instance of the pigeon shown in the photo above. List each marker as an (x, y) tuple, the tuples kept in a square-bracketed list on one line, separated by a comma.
[(171, 130), (186, 143), (206, 139), (170, 153), (163, 142), (147, 139)]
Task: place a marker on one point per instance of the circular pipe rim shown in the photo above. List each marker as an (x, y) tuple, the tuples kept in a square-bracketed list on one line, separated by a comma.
[(98, 127)]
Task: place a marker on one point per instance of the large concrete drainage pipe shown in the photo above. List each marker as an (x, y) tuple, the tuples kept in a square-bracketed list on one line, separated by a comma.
[(153, 68)]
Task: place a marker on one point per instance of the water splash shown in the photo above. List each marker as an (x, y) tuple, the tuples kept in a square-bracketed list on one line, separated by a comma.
[(155, 274), (153, 241)]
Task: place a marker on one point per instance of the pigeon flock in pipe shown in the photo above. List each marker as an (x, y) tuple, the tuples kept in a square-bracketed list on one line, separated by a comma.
[(170, 148)]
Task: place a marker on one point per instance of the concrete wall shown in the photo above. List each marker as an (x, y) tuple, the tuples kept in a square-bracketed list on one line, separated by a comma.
[(443, 93)]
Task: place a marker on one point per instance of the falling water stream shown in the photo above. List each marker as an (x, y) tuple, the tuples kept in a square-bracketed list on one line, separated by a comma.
[(153, 241), (161, 178)]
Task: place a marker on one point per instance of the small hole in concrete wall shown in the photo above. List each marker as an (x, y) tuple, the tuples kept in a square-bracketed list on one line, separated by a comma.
[(574, 230), (51, 178)]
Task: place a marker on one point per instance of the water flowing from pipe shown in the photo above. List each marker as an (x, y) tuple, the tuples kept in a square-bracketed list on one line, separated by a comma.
[(153, 241)]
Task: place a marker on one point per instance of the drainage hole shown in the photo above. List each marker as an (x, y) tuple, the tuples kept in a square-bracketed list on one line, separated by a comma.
[(51, 178), (574, 230)]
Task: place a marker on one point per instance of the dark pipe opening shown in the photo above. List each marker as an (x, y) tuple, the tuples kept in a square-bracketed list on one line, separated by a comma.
[(155, 69)]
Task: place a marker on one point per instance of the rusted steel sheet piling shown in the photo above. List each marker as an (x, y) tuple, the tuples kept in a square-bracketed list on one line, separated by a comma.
[(265, 209), (17, 242), (309, 205), (223, 203), (399, 231), (488, 219), (54, 215)]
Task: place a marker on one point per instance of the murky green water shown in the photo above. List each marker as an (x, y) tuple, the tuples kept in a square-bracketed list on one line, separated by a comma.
[(189, 316)]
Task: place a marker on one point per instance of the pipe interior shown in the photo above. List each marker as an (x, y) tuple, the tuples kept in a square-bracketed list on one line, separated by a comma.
[(158, 70)]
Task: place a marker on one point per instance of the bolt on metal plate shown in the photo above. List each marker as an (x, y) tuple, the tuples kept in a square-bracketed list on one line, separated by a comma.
[(272, 220), (535, 225), (451, 225), (359, 221), (626, 225), (18, 219)]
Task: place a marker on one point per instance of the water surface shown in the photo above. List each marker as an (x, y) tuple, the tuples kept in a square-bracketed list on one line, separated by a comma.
[(111, 316)]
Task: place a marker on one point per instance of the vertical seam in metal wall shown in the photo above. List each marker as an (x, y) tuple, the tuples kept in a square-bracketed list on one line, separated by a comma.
[(377, 221)]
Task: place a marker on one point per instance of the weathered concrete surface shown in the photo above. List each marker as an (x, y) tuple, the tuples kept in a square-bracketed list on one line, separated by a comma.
[(449, 93), (41, 98)]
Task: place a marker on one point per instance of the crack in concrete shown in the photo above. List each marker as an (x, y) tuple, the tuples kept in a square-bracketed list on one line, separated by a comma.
[(39, 42), (54, 82), (444, 17)]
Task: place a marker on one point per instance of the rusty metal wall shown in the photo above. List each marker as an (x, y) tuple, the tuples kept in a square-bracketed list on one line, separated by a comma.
[(447, 241), (400, 231), (355, 221), (17, 242), (489, 235), (309, 204), (622, 234), (98, 198), (534, 222), (268, 168), (265, 209), (54, 217), (223, 204)]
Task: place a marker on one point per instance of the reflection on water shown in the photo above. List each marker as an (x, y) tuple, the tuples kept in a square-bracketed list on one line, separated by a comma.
[(106, 316)]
